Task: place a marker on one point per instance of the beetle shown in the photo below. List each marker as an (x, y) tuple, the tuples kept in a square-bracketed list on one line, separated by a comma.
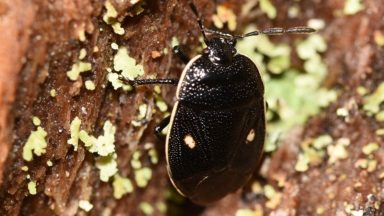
[(217, 125)]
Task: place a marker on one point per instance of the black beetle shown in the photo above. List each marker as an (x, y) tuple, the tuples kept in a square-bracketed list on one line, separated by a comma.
[(217, 125)]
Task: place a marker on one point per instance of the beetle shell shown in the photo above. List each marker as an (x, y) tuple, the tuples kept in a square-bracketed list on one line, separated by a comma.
[(217, 128)]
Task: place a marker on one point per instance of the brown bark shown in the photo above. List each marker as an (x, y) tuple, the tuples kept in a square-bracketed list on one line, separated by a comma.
[(40, 42)]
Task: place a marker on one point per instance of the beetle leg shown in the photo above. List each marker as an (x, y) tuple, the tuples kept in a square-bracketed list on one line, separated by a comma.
[(160, 127), (151, 81), (179, 52)]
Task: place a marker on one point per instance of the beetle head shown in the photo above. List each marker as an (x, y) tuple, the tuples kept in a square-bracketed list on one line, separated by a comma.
[(220, 50)]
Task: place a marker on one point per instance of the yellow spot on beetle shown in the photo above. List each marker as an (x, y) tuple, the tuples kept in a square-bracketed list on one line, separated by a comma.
[(189, 141), (250, 136)]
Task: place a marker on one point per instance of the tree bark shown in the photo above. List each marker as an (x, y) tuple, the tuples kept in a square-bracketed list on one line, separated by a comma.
[(42, 40)]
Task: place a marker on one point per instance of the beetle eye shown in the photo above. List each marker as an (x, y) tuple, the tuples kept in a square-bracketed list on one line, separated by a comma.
[(206, 51)]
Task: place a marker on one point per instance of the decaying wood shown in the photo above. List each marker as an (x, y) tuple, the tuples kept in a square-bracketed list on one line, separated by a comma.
[(41, 40)]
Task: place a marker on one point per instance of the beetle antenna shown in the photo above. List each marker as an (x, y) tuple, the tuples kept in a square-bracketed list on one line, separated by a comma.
[(201, 25), (278, 31), (204, 29)]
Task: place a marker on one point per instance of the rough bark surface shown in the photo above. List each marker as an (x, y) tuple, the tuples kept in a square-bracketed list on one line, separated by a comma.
[(40, 42)]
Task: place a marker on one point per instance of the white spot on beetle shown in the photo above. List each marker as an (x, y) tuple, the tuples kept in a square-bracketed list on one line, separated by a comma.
[(189, 141), (250, 136)]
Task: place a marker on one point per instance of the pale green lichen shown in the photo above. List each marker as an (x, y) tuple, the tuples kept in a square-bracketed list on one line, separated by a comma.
[(165, 50), (81, 34), (77, 69), (269, 191), (114, 46), (294, 11), (135, 161), (361, 163), (107, 166), (146, 208), (337, 152), (133, 1), (277, 65), (85, 205), (90, 85), (320, 210), (153, 156), (142, 176), (106, 211), (313, 152), (224, 15), (162, 207), (160, 103), (361, 90), (82, 54), (379, 38), (348, 207), (142, 111), (49, 163), (353, 6), (267, 7), (157, 89), (322, 141), (74, 130), (302, 163), (32, 187), (36, 144), (372, 102), (248, 212), (166, 130), (143, 108), (370, 148), (372, 165), (380, 132), (36, 121), (117, 83), (110, 18), (174, 42), (117, 28), (368, 164), (274, 197), (343, 112), (256, 187), (105, 144), (121, 186), (316, 66), (53, 93), (310, 47), (111, 13), (127, 65), (89, 141), (316, 24), (358, 212), (380, 116)]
